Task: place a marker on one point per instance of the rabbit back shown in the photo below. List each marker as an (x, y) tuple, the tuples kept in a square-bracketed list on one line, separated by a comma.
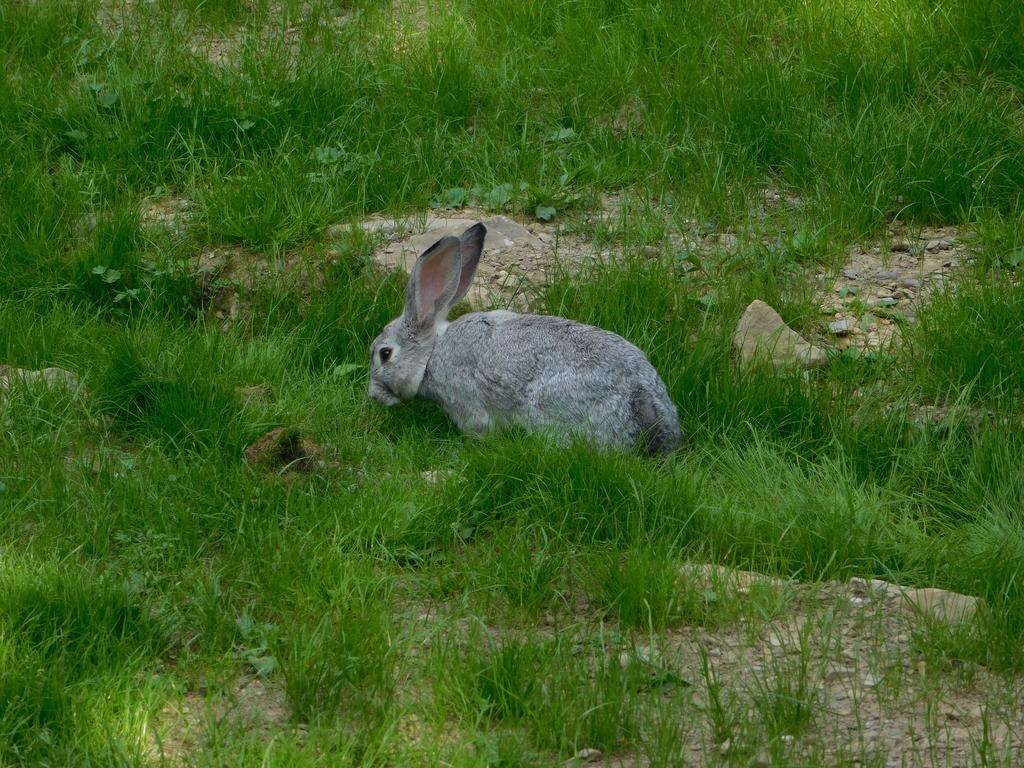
[(550, 374)]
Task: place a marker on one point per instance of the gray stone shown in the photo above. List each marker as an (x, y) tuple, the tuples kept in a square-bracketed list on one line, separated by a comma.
[(899, 246), (842, 327), (762, 334), (851, 274), (886, 275), (911, 282), (50, 377), (934, 246), (586, 755)]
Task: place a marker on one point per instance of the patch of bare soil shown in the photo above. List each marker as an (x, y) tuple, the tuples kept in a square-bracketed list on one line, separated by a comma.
[(846, 651), (227, 278), (869, 691), (517, 257), (165, 211), (284, 449), (884, 285), (188, 725)]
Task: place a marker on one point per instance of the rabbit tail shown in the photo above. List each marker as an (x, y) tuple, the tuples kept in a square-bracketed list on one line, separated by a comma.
[(657, 421)]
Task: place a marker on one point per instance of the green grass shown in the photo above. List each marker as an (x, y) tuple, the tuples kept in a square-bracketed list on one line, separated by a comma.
[(479, 614)]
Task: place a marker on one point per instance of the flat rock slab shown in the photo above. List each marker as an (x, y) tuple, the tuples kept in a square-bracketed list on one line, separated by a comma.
[(503, 234), (515, 262), (50, 377), (940, 605), (922, 602), (761, 334)]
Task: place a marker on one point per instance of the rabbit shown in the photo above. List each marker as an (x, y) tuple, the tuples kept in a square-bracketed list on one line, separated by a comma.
[(489, 369)]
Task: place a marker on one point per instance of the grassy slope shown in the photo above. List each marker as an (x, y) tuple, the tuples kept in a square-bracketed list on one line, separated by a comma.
[(138, 551)]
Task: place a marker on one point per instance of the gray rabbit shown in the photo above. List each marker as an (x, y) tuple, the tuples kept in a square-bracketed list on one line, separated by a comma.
[(486, 369)]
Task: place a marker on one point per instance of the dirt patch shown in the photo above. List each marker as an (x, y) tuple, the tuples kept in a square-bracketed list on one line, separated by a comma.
[(517, 259), (867, 690), (171, 211), (883, 286), (284, 450), (186, 726), (228, 277)]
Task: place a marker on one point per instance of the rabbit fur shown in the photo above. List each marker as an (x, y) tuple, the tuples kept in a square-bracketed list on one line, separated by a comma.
[(488, 369)]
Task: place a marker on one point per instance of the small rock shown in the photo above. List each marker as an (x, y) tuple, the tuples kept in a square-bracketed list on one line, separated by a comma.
[(761, 331), (842, 327), (887, 275), (934, 246), (899, 246), (435, 476), (837, 673), (951, 263), (851, 274), (911, 282), (586, 755), (85, 227)]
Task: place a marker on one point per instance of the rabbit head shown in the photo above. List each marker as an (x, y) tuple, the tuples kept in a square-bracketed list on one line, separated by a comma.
[(440, 278)]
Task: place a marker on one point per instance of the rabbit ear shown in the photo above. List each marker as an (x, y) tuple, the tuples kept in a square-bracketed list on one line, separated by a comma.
[(433, 283), (471, 244)]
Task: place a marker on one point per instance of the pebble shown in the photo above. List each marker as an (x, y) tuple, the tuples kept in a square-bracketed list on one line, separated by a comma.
[(938, 245), (851, 274), (842, 327), (887, 275), (586, 755), (900, 246), (952, 263), (911, 282)]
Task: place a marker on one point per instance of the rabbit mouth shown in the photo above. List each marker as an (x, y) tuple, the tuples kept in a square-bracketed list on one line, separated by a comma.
[(383, 394)]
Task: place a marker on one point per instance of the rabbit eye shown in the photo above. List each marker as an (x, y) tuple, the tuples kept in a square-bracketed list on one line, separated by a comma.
[(385, 354)]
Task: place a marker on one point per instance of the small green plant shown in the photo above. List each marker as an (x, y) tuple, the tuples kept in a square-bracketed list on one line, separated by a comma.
[(785, 695), (341, 663), (641, 587)]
